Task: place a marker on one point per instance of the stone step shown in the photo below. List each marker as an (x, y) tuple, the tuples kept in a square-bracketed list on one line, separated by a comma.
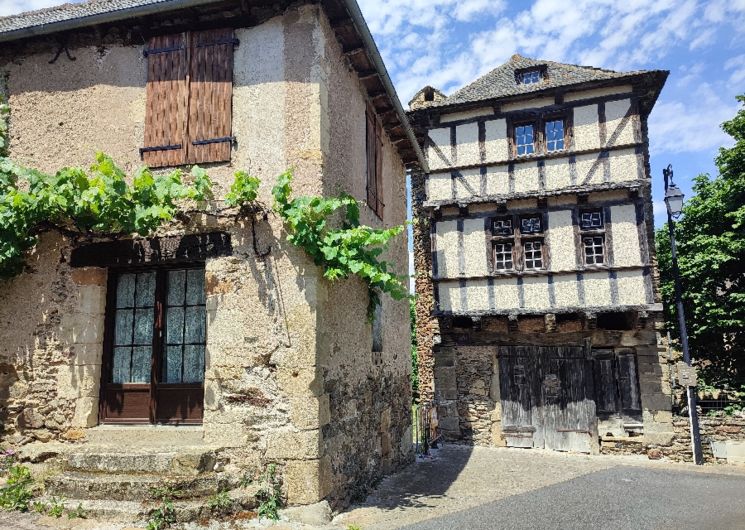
[(117, 486), (182, 462), (156, 437), (137, 512)]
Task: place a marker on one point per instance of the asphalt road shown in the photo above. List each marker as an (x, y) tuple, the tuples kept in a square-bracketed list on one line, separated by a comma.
[(621, 497)]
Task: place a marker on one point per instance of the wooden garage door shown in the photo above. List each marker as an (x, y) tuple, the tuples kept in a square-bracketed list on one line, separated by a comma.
[(547, 398)]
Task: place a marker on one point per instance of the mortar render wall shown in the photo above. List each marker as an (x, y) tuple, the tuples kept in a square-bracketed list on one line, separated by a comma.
[(368, 433), (264, 395)]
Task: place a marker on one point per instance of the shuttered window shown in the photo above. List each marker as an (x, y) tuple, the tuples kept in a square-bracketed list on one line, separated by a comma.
[(616, 383), (374, 163), (188, 116)]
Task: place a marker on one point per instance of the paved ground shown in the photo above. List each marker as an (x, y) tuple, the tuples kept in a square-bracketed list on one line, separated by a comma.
[(480, 488)]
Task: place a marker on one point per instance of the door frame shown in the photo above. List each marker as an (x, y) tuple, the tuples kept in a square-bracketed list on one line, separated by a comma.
[(154, 387)]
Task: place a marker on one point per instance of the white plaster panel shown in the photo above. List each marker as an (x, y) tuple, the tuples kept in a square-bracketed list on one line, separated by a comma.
[(527, 177), (466, 114), (618, 131), (586, 128), (535, 292), (589, 165), (439, 186), (496, 146), (477, 295), (449, 293), (624, 165), (505, 293), (438, 153), (565, 290), (597, 289), (557, 173), (467, 143), (534, 103), (468, 183), (561, 240), (474, 247), (497, 180), (631, 287), (447, 249), (626, 250), (597, 92)]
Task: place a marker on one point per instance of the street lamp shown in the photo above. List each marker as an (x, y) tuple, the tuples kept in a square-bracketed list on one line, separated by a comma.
[(674, 203)]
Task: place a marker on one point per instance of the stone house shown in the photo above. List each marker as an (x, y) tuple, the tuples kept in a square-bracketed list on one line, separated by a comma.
[(538, 301), (261, 359)]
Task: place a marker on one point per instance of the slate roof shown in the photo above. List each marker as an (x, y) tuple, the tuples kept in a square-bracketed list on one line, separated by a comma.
[(501, 81), (66, 12)]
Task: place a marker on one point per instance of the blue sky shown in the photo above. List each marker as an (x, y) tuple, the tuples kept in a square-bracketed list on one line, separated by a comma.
[(449, 43)]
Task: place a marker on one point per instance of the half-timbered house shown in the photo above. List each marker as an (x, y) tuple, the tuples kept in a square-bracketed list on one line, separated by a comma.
[(538, 302)]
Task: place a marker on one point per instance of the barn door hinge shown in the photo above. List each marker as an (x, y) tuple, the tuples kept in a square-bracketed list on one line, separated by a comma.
[(153, 51), (222, 139), (233, 41), (150, 149)]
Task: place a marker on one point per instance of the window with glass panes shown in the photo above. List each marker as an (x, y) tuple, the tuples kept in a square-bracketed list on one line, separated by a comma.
[(524, 139), (515, 245), (554, 135), (592, 229), (174, 341), (529, 77)]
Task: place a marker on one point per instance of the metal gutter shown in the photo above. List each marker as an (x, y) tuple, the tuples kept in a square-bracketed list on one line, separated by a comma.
[(372, 48), (101, 18)]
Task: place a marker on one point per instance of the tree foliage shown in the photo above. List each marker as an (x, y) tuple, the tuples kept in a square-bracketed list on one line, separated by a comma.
[(711, 246), (341, 251)]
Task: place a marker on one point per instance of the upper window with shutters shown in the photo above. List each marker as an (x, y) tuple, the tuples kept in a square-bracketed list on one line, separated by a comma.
[(188, 118), (374, 144)]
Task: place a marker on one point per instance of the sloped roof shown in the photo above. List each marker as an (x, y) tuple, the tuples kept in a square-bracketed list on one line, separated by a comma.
[(65, 12), (501, 81)]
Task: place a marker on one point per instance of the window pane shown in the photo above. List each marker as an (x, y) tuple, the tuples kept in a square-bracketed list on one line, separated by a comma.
[(121, 361), (141, 361), (555, 135), (503, 227), (524, 139), (176, 287), (591, 220), (174, 325), (195, 287), (193, 364), (503, 256), (145, 295), (194, 325), (530, 225), (123, 327), (594, 252), (172, 364), (533, 255), (125, 290), (143, 329)]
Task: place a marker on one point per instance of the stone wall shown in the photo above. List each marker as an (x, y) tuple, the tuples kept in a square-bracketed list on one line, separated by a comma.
[(290, 376)]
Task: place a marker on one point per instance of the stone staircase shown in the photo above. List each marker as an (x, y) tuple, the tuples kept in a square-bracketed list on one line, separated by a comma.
[(122, 474)]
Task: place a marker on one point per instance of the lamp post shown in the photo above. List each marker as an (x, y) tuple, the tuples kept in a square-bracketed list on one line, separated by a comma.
[(674, 203)]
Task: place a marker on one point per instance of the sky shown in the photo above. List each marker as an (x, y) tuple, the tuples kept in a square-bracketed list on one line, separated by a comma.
[(449, 43)]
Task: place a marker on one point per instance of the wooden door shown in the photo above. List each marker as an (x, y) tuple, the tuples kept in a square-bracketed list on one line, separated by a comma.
[(547, 398), (154, 346)]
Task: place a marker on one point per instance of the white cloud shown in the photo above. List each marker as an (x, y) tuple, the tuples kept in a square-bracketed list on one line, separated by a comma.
[(677, 127), (11, 7), (737, 65)]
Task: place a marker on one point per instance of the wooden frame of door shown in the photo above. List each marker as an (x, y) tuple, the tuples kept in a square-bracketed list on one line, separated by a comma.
[(153, 402)]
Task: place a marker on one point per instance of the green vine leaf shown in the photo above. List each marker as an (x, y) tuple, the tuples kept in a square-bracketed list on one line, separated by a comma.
[(243, 191), (349, 249)]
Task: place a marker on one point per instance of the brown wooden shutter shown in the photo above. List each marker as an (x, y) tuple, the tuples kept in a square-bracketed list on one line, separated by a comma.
[(379, 168), (210, 96), (628, 384), (371, 142), (167, 98)]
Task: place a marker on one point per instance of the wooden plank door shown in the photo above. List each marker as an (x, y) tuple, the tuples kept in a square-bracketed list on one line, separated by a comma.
[(522, 423), (568, 406)]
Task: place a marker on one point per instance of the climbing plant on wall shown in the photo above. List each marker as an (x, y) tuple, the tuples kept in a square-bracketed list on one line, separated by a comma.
[(344, 248), (97, 202)]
